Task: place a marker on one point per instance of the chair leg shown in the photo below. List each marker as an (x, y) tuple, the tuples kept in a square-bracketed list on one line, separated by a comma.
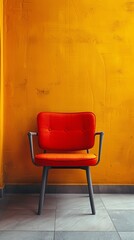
[(90, 189), (43, 187)]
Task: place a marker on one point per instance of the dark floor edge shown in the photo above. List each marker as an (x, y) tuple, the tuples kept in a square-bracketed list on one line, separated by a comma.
[(35, 188), (1, 192)]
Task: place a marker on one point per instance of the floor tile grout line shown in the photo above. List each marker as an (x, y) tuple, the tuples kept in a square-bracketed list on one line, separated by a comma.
[(55, 221), (109, 215), (115, 209), (54, 235), (104, 204), (55, 216), (119, 235), (87, 231), (17, 230), (112, 222)]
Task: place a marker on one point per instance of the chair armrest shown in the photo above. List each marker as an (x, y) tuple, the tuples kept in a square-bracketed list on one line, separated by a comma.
[(101, 134), (30, 137)]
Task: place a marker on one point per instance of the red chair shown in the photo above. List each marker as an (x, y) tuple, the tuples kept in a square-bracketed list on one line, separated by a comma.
[(60, 135)]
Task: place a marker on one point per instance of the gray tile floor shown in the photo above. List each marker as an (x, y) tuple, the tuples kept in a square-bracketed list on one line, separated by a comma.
[(67, 217)]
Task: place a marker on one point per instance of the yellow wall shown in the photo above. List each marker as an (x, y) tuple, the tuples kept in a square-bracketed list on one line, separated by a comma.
[(1, 94), (68, 55)]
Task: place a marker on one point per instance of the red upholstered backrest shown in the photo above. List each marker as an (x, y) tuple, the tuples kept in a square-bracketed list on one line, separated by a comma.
[(66, 131)]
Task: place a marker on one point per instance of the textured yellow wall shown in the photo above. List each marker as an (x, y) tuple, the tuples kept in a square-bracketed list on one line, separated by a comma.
[(69, 56), (1, 94)]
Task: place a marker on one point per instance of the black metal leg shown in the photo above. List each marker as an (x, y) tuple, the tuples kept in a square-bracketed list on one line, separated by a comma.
[(42, 192), (90, 190)]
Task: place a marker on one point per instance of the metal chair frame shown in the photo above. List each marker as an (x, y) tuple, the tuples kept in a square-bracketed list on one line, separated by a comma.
[(46, 169)]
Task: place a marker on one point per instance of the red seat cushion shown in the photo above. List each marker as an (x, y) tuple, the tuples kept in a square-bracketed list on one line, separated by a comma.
[(66, 159)]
